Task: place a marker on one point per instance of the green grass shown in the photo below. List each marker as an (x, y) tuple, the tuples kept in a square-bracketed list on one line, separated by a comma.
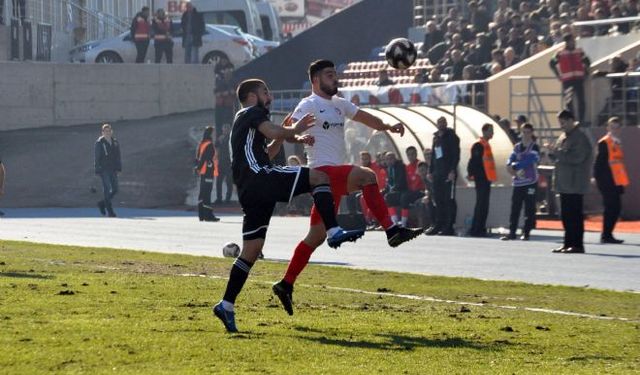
[(89, 310)]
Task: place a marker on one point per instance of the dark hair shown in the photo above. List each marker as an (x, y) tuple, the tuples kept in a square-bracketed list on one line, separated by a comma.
[(486, 127), (208, 131), (411, 148), (527, 126), (565, 115), (316, 66), (422, 164), (567, 37), (248, 86), (145, 8)]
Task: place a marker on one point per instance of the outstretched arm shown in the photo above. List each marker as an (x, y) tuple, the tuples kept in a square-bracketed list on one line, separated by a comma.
[(375, 123)]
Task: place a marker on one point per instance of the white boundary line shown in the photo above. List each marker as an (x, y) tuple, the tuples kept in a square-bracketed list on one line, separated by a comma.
[(438, 300)]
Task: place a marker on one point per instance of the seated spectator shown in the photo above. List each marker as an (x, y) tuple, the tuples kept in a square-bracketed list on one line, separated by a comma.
[(422, 76), (432, 37), (455, 65), (516, 41), (478, 16), (600, 30), (616, 12), (510, 58), (495, 68), (383, 78), (435, 75), (415, 185)]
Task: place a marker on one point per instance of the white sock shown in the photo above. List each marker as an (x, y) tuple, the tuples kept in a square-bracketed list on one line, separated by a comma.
[(403, 222), (394, 219), (227, 306), (333, 231)]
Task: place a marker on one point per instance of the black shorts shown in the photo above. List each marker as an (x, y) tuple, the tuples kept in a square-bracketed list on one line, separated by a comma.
[(259, 195)]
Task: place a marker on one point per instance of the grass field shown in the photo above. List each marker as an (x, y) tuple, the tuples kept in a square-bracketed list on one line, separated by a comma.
[(89, 310)]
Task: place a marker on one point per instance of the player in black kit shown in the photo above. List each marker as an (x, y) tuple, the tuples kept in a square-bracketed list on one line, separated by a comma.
[(260, 184)]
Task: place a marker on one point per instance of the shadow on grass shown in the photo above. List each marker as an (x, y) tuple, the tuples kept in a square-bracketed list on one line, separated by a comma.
[(24, 275), (401, 342)]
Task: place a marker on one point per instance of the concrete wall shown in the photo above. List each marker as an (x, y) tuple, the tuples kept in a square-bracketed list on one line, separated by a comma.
[(5, 43), (43, 94)]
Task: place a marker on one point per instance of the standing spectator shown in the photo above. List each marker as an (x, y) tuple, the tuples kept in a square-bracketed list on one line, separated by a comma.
[(442, 173), (611, 178), (193, 28), (205, 169), (396, 187), (425, 204), (505, 125), (224, 165), (107, 164), (162, 41), (478, 16), (224, 92), (482, 170), (571, 66), (573, 157), (523, 166), (141, 33)]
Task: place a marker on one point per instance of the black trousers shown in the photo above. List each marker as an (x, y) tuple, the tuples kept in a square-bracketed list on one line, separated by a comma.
[(224, 176), (205, 210), (612, 206), (164, 48), (481, 211), (445, 204), (141, 49), (572, 219), (578, 95), (523, 195)]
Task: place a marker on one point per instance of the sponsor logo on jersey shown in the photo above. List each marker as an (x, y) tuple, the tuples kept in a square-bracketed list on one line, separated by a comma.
[(326, 125)]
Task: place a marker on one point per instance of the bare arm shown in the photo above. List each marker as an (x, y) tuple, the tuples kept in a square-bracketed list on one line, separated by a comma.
[(279, 133), (375, 123)]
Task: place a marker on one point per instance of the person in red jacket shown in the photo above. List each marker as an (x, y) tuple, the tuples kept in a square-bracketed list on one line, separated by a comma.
[(162, 42), (571, 66), (141, 33)]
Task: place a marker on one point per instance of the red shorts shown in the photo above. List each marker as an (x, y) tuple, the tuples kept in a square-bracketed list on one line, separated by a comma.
[(338, 178)]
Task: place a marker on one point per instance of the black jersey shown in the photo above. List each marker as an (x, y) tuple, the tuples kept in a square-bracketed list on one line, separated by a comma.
[(248, 145)]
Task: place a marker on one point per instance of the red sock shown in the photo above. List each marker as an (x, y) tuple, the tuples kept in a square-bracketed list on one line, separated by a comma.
[(376, 204), (405, 212), (298, 262)]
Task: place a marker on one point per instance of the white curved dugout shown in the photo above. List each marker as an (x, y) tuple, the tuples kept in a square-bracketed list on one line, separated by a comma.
[(420, 125)]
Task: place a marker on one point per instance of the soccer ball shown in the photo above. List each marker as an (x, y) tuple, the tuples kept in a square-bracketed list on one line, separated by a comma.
[(401, 53), (231, 250)]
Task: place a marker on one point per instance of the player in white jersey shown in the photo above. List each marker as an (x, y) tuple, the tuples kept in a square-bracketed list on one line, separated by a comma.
[(328, 154)]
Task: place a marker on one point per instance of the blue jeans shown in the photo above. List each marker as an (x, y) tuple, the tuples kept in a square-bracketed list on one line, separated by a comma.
[(109, 186), (191, 52)]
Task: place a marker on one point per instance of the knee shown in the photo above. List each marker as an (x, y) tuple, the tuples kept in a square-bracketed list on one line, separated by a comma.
[(318, 178)]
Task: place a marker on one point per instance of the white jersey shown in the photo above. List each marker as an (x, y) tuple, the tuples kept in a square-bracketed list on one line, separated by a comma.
[(329, 147)]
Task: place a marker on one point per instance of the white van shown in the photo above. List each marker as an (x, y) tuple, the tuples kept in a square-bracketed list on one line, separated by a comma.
[(242, 13), (271, 25)]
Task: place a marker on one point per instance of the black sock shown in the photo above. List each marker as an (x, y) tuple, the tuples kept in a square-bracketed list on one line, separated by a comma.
[(323, 199), (237, 277)]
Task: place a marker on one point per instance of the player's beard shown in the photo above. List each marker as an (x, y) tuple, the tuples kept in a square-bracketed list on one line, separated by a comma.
[(263, 104), (329, 90)]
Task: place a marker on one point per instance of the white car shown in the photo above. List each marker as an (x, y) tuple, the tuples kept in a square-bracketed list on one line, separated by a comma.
[(216, 43), (260, 45)]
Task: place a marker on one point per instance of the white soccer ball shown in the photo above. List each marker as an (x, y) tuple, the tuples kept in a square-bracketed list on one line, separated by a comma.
[(401, 53), (231, 250)]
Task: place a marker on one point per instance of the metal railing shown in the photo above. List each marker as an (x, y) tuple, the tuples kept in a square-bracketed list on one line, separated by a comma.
[(70, 17), (535, 109), (424, 10), (471, 93), (624, 101)]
